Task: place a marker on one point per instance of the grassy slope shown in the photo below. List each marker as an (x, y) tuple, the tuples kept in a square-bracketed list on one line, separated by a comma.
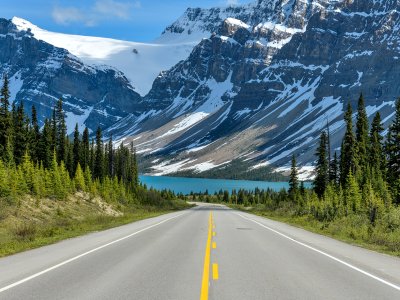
[(34, 223), (346, 230)]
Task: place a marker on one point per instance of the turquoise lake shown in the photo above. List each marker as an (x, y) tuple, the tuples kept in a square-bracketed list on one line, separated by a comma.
[(187, 185)]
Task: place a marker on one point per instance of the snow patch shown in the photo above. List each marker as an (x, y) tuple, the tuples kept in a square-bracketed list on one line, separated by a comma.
[(15, 85), (72, 118), (167, 168), (205, 166), (260, 165), (186, 123), (304, 173), (237, 22)]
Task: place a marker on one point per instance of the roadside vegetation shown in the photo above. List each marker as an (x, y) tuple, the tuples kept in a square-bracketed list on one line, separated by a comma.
[(52, 188), (355, 196)]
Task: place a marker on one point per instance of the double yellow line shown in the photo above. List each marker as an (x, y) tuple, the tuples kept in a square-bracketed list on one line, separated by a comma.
[(206, 267)]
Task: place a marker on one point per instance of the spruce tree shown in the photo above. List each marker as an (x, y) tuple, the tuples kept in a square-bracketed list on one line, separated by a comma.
[(20, 134), (54, 132), (9, 154), (348, 161), (69, 160), (85, 149), (98, 171), (79, 179), (134, 167), (293, 179), (352, 194), (5, 95), (376, 154), (328, 146), (5, 117), (76, 148), (92, 157), (61, 132), (393, 154), (110, 158), (45, 145), (334, 170), (34, 136), (362, 135), (322, 170), (106, 156)]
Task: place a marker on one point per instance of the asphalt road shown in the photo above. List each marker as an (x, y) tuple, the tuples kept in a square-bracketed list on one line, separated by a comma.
[(208, 252)]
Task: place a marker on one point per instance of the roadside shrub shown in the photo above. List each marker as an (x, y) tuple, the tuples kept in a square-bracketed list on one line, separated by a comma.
[(25, 231)]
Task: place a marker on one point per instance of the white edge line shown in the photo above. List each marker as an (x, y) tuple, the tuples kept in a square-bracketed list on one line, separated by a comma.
[(325, 254), (83, 254)]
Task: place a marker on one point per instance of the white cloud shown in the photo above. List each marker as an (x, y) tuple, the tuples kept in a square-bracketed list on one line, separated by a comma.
[(121, 10), (232, 2), (67, 15), (91, 16)]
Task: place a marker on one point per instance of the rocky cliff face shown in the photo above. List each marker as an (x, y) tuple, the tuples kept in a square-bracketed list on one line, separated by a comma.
[(40, 74), (268, 79)]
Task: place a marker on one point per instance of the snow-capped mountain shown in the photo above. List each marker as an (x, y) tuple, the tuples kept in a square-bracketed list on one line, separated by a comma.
[(140, 62), (41, 73), (268, 79), (256, 82), (99, 79)]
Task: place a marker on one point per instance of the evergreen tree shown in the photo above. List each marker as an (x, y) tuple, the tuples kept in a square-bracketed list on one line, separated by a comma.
[(110, 158), (45, 145), (133, 166), (5, 95), (293, 180), (20, 134), (322, 172), (35, 137), (334, 170), (54, 132), (79, 179), (393, 154), (92, 156), (69, 161), (362, 135), (61, 132), (5, 118), (348, 160), (98, 171), (9, 154), (328, 146), (76, 148), (85, 149), (352, 194), (376, 154)]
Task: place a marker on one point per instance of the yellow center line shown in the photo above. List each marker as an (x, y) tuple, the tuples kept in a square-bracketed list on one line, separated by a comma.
[(215, 271), (214, 245), (213, 234), (206, 267)]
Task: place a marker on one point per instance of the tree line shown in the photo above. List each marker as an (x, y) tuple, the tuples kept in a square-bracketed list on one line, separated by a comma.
[(365, 177), (46, 162)]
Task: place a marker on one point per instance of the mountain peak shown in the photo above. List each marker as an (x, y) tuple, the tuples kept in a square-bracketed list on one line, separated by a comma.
[(23, 25)]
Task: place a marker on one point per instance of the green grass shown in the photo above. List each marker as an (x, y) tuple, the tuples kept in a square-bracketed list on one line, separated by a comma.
[(22, 230), (352, 230)]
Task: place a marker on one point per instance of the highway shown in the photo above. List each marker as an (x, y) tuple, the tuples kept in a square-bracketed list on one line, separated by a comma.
[(207, 252)]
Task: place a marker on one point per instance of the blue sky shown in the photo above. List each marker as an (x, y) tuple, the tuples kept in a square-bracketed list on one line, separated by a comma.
[(135, 20)]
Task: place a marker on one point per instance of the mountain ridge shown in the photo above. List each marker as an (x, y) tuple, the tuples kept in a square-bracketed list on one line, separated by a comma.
[(284, 83), (263, 83)]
